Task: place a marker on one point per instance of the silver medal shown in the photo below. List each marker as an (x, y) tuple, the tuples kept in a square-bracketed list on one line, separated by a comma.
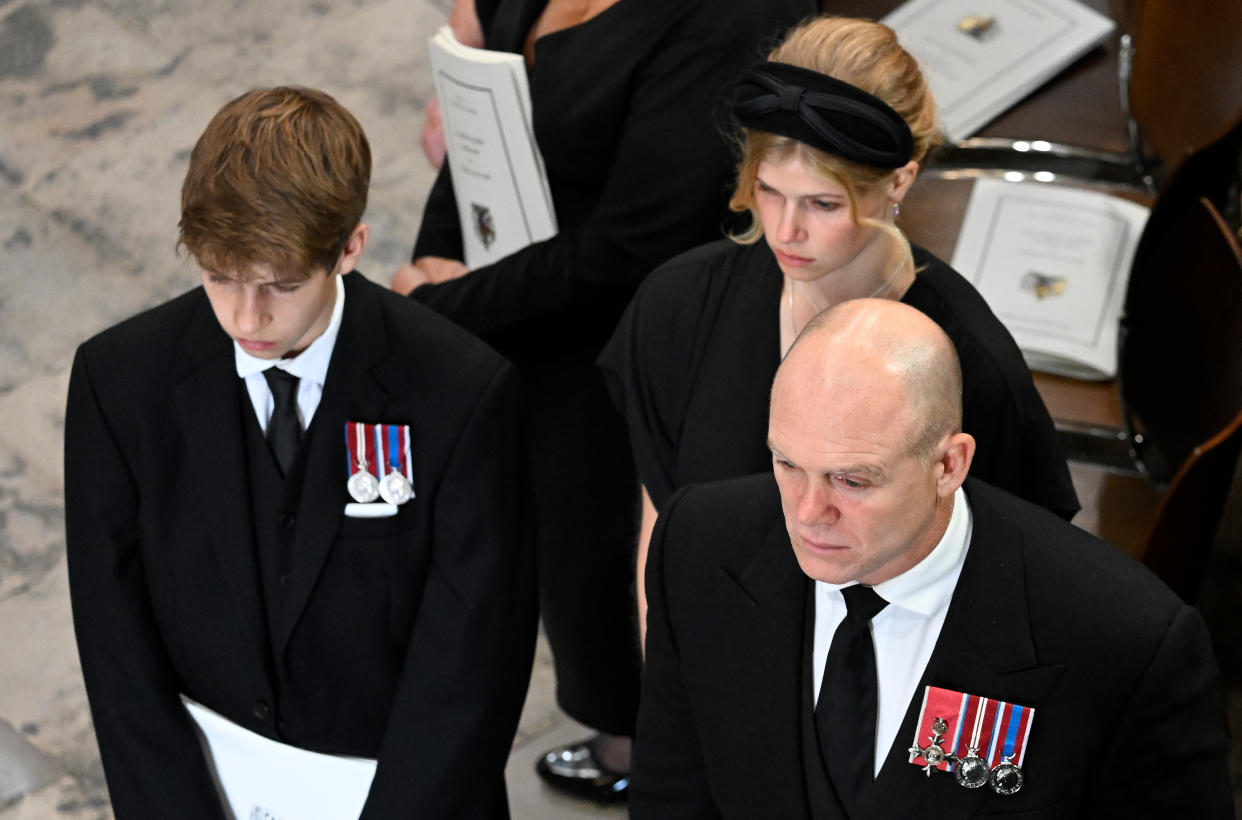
[(972, 770), (932, 753), (396, 488), (1006, 778), (363, 487)]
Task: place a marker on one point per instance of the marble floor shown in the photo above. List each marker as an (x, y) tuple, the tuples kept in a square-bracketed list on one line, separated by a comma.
[(100, 103)]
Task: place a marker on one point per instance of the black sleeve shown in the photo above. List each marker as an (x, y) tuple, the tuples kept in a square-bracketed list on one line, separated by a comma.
[(669, 774), (1018, 449), (649, 365), (665, 183), (469, 657), (1175, 714), (151, 755)]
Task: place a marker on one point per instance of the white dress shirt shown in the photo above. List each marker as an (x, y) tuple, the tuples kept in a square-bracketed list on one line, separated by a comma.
[(310, 366), (905, 631)]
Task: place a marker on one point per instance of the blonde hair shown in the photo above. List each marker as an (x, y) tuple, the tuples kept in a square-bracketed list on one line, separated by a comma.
[(866, 55)]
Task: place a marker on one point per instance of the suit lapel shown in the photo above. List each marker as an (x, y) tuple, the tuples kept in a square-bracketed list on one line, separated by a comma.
[(210, 407), (770, 631), (355, 390), (985, 648)]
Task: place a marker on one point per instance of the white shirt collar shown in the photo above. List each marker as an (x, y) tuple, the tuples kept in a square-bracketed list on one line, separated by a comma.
[(312, 363), (928, 585)]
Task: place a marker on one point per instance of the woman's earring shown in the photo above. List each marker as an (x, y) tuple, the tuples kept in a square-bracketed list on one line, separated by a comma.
[(895, 210)]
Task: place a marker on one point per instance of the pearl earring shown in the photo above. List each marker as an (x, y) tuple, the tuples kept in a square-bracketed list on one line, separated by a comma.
[(896, 210)]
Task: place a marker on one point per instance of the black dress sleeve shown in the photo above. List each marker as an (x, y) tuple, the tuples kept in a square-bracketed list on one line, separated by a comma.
[(664, 185), (649, 364)]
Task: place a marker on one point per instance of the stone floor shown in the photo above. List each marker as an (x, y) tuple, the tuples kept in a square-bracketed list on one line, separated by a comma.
[(100, 103)]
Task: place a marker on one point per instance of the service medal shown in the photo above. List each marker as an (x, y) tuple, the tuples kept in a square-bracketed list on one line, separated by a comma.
[(981, 740), (363, 487), (362, 484), (396, 489), (392, 444), (933, 755), (972, 770), (1006, 778)]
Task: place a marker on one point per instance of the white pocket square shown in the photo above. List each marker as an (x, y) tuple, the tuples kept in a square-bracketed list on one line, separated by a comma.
[(375, 509)]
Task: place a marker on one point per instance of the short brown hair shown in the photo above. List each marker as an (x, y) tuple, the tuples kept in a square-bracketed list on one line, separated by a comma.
[(279, 179), (866, 55)]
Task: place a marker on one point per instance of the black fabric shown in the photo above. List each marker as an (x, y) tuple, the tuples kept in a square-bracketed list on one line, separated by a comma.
[(626, 108), (1043, 614), (284, 429), (823, 112), (692, 361), (408, 639), (845, 713)]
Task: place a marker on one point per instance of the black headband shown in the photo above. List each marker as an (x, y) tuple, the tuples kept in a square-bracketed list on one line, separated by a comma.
[(823, 112)]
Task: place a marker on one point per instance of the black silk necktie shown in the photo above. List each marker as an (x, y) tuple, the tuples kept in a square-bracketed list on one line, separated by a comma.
[(845, 712), (284, 431)]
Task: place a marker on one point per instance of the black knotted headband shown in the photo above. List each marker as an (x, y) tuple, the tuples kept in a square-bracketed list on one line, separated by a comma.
[(823, 112)]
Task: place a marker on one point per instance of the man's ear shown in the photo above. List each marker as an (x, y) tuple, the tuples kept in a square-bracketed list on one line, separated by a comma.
[(954, 455), (354, 246)]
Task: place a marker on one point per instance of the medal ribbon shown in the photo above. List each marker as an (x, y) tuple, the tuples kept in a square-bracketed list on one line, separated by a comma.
[(1016, 721), (392, 441), (1004, 727), (360, 449), (393, 445)]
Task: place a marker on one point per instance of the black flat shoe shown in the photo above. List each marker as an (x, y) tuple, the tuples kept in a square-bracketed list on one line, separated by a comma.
[(574, 770)]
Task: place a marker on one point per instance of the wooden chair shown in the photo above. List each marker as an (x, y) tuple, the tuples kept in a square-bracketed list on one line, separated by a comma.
[(1183, 306), (1180, 349), (1181, 537)]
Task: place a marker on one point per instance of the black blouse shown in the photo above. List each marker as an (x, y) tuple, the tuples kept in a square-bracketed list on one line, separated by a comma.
[(692, 362)]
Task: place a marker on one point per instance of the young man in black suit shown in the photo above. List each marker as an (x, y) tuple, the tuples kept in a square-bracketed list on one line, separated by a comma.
[(868, 634), (298, 536)]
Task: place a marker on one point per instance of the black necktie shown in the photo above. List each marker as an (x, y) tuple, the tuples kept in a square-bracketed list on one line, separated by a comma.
[(845, 712), (284, 431)]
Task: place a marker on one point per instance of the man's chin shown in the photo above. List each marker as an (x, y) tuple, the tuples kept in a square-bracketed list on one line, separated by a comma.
[(832, 567)]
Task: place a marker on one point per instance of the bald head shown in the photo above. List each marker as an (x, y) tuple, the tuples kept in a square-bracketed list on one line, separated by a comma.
[(888, 356)]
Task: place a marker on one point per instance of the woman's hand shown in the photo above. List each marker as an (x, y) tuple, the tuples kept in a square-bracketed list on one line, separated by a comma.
[(432, 137), (426, 270)]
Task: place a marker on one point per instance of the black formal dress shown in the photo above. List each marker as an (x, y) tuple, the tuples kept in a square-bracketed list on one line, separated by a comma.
[(692, 362), (195, 569), (1128, 715), (627, 113)]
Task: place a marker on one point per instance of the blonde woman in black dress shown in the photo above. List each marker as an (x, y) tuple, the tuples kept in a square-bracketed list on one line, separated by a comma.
[(834, 127)]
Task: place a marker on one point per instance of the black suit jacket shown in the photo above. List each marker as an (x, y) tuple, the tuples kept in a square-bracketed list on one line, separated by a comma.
[(1128, 718), (407, 638)]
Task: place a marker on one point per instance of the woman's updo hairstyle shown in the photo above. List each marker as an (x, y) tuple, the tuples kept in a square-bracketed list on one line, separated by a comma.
[(866, 55)]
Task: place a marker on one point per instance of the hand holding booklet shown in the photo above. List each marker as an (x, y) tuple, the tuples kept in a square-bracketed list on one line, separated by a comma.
[(1053, 264), (503, 199)]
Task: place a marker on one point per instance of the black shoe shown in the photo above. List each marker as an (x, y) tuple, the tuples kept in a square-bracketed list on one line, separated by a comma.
[(573, 769)]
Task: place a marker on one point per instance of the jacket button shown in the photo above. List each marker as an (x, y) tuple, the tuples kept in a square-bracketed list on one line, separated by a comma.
[(261, 710)]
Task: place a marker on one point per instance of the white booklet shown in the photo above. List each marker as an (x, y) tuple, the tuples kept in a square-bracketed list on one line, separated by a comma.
[(503, 199), (981, 58), (1053, 264), (261, 779)]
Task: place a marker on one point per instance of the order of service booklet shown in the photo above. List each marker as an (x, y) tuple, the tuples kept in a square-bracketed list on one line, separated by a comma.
[(1053, 263), (981, 58), (503, 199)]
